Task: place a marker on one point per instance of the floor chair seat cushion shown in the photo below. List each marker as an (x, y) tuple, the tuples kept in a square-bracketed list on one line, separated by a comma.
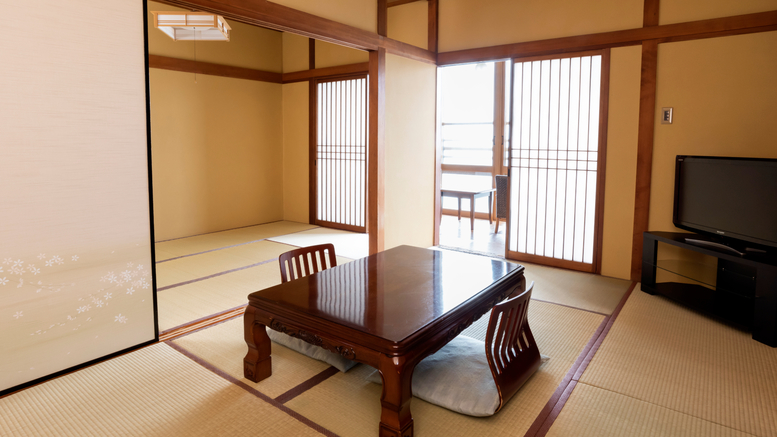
[(317, 353)]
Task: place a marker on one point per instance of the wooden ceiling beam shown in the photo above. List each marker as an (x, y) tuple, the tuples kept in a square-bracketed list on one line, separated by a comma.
[(285, 19), (207, 68), (749, 23)]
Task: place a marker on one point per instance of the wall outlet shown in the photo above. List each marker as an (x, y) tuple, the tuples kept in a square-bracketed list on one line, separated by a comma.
[(666, 115)]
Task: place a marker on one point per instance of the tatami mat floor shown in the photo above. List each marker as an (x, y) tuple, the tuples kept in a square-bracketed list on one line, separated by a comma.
[(622, 363)]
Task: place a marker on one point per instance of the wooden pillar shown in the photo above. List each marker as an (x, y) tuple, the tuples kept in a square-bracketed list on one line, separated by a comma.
[(383, 17), (376, 149), (647, 110), (432, 26)]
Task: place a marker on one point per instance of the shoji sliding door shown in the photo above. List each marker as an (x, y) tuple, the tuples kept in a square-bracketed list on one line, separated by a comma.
[(340, 151), (76, 270), (557, 160)]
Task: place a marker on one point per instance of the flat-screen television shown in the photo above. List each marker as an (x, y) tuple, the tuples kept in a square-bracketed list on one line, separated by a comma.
[(732, 198)]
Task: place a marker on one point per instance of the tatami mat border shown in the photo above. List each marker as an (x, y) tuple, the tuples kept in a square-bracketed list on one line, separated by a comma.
[(252, 390), (216, 275), (570, 306), (555, 404), (307, 385)]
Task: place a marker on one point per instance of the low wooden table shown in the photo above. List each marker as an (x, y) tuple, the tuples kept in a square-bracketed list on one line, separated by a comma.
[(389, 310), (471, 195)]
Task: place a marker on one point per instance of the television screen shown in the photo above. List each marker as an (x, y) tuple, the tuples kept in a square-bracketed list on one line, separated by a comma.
[(730, 197)]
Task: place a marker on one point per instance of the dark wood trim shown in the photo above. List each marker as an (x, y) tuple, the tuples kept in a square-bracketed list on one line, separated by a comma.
[(285, 19), (650, 13), (647, 109), (312, 151), (311, 53), (187, 66), (318, 73), (437, 164), (376, 161), (401, 2), (382, 18), (433, 26), (604, 111), (739, 24), (731, 32), (551, 262), (466, 168)]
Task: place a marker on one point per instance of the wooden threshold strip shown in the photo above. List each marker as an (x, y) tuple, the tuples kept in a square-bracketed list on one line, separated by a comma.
[(187, 66), (201, 323), (285, 19), (739, 24)]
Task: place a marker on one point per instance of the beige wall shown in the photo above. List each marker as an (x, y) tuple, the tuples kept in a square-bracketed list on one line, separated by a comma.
[(466, 24), (295, 52), (362, 14), (724, 95), (678, 11), (332, 55), (410, 151), (409, 23), (296, 148), (621, 165), (217, 153)]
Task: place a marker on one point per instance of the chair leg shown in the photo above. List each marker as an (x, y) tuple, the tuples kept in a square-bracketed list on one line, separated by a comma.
[(496, 228)]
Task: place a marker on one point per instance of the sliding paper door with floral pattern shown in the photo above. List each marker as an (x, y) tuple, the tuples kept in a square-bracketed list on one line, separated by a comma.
[(76, 272)]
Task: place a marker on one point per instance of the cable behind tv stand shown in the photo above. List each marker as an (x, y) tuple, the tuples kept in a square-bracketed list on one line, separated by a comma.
[(743, 290)]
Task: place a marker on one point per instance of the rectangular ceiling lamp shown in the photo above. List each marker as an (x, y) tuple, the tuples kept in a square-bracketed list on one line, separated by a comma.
[(191, 26)]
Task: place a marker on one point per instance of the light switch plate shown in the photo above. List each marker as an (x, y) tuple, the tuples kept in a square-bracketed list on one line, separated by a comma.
[(666, 115)]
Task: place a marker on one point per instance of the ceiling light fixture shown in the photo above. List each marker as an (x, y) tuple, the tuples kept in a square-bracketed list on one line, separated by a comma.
[(192, 26)]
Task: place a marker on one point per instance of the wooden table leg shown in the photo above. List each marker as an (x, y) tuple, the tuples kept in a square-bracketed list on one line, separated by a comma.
[(472, 212), (395, 417), (257, 364)]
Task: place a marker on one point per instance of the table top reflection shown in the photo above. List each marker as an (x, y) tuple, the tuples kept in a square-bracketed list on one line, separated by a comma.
[(390, 295)]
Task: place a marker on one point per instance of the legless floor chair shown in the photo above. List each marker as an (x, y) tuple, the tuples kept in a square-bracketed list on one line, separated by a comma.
[(464, 379), (296, 264)]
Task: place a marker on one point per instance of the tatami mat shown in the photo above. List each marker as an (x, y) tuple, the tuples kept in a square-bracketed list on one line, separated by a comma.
[(585, 291), (189, 302), (577, 289), (349, 405), (349, 244), (218, 240), (594, 412), (210, 263), (665, 354), (155, 391), (224, 347)]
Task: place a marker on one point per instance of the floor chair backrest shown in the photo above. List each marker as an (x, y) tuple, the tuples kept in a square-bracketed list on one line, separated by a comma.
[(306, 260)]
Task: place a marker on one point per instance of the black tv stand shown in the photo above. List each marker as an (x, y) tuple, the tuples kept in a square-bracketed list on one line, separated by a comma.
[(743, 291), (714, 245)]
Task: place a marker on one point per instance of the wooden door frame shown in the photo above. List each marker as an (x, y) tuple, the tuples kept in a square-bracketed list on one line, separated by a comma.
[(313, 153), (604, 98)]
